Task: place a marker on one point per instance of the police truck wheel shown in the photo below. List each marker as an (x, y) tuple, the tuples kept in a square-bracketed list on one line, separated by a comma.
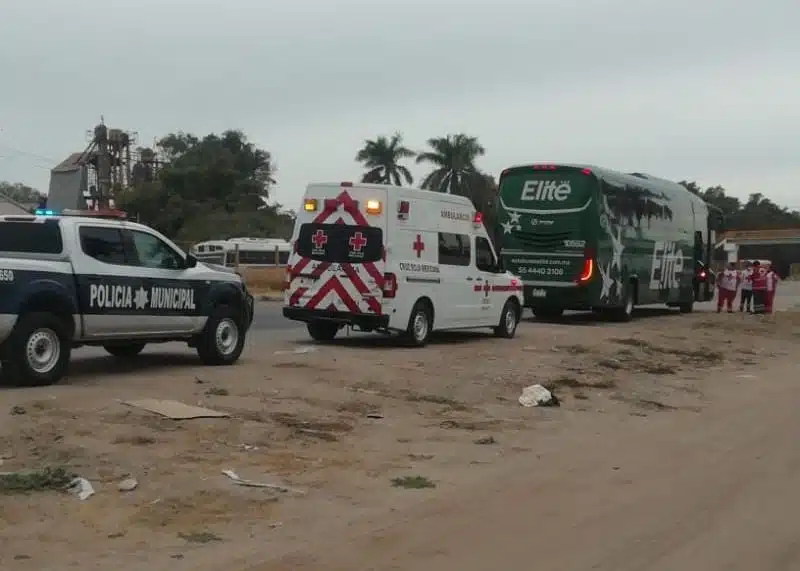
[(38, 350), (509, 319), (420, 325), (222, 340), (322, 330), (124, 351)]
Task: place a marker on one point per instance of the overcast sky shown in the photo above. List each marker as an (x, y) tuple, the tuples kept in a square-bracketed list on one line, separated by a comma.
[(703, 90)]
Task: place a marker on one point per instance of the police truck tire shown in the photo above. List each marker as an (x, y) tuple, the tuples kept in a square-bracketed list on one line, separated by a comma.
[(222, 339), (38, 351), (322, 330), (124, 350), (420, 325), (509, 319)]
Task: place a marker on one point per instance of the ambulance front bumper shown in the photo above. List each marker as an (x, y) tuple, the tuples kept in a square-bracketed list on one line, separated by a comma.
[(365, 321)]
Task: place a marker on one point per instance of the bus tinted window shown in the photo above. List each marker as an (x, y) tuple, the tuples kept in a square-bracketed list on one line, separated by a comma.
[(338, 243)]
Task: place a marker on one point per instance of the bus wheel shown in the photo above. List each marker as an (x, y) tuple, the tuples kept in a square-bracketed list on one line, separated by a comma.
[(548, 312)]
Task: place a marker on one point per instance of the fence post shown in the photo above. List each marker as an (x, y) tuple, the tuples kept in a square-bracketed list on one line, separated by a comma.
[(236, 256), (277, 256)]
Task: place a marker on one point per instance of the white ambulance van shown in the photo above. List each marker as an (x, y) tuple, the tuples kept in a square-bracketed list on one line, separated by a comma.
[(395, 260)]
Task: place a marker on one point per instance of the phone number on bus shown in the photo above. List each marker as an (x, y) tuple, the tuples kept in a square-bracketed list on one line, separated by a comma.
[(534, 271)]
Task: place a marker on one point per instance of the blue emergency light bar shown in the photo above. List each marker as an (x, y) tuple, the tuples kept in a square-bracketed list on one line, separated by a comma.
[(42, 212)]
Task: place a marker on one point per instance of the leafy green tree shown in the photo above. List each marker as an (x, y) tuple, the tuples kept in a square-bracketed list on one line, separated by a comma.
[(382, 157), (21, 193), (453, 158), (757, 213), (210, 188)]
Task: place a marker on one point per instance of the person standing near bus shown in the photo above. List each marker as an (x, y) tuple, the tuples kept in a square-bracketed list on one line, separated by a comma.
[(746, 295), (727, 283), (759, 281), (772, 286)]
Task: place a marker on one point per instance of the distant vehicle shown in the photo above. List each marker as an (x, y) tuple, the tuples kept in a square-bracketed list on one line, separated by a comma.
[(252, 251), (81, 278), (392, 259), (588, 238)]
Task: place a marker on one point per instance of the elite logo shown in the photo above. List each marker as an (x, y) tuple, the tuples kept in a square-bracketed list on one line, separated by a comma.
[(546, 190), (666, 266)]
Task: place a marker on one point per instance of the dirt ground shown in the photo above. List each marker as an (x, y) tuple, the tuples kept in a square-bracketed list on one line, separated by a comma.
[(670, 428)]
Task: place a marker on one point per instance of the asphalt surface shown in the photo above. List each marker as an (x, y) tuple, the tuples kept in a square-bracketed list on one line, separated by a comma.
[(269, 325)]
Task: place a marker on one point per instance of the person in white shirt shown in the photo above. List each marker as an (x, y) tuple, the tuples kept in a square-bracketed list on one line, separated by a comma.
[(746, 297), (728, 283)]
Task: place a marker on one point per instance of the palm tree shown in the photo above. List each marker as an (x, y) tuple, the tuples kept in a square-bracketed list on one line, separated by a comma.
[(382, 157), (454, 159)]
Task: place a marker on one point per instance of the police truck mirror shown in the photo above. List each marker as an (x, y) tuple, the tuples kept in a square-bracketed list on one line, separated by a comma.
[(191, 261)]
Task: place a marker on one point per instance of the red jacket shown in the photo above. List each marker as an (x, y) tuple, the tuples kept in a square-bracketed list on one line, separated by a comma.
[(759, 279)]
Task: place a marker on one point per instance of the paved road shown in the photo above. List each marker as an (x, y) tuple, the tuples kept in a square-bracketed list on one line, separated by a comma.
[(270, 326)]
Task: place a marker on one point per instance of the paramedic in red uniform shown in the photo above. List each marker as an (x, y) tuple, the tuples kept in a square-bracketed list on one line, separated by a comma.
[(772, 286), (727, 283), (759, 281)]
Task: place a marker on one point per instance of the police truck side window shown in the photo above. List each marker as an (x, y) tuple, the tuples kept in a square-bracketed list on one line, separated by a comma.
[(454, 249), (153, 253), (103, 244), (484, 258)]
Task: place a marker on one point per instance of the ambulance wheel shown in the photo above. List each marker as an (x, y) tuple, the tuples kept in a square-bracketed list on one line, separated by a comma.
[(509, 319), (38, 351), (124, 350), (420, 324), (322, 330), (222, 340)]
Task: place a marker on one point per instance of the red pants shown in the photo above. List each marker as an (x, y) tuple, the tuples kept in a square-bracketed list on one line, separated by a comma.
[(725, 296), (769, 297)]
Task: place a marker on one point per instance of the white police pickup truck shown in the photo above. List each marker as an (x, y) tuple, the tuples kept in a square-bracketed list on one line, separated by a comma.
[(83, 278)]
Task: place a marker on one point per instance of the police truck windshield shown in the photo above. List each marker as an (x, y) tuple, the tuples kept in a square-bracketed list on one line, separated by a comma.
[(339, 243)]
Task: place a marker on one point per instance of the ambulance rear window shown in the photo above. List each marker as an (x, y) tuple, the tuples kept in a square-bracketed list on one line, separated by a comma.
[(338, 243)]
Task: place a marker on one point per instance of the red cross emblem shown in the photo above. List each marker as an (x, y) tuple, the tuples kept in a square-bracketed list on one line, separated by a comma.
[(486, 288), (357, 241), (418, 246), (319, 239)]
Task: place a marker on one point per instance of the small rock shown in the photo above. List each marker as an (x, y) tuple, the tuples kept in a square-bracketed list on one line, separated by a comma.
[(16, 409), (485, 440), (127, 485)]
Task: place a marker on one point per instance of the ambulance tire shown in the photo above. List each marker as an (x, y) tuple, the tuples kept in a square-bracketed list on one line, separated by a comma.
[(124, 350), (38, 351), (509, 320), (420, 324), (322, 330), (222, 340)]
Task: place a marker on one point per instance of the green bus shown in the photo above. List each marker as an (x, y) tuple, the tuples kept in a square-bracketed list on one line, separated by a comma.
[(588, 238)]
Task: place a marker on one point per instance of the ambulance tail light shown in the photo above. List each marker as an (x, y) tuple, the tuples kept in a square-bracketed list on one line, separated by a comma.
[(477, 220), (374, 207), (389, 285), (310, 205), (588, 267)]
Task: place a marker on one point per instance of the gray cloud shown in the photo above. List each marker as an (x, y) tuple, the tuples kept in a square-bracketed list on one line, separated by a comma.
[(681, 89)]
